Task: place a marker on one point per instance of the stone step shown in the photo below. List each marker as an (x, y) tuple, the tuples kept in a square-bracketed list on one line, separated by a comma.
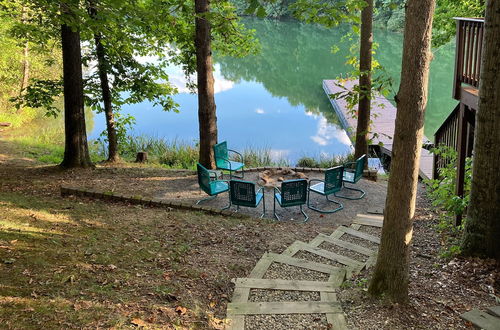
[(295, 307), (311, 265), (359, 234), (276, 284), (347, 245), (482, 319), (302, 246)]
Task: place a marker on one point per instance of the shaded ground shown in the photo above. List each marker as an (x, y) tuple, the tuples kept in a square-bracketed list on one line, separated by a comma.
[(67, 263)]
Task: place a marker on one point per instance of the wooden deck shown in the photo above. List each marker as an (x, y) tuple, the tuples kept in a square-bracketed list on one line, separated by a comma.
[(383, 122)]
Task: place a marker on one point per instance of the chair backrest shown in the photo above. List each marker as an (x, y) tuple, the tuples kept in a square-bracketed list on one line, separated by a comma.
[(293, 192), (242, 193), (333, 179), (360, 167), (220, 151), (204, 178)]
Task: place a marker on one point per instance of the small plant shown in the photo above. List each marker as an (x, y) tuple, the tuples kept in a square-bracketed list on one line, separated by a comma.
[(441, 191)]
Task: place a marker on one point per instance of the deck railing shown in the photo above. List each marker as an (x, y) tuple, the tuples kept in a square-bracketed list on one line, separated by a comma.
[(469, 46), (446, 135)]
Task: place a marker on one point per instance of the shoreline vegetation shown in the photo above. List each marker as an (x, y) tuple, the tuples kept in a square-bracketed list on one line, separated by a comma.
[(42, 139)]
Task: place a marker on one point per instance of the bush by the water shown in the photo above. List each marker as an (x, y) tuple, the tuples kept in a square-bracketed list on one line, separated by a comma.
[(325, 162)]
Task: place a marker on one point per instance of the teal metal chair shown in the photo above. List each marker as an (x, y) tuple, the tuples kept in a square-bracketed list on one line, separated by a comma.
[(292, 193), (222, 161), (243, 193), (330, 185), (353, 175), (210, 184)]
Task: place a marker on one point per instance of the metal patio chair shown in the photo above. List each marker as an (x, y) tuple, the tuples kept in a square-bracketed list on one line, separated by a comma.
[(352, 175), (292, 193), (330, 185), (209, 183), (222, 161), (244, 193)]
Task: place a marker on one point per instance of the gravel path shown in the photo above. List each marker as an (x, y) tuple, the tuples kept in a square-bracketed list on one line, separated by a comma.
[(345, 252), (287, 272), (259, 295), (286, 322)]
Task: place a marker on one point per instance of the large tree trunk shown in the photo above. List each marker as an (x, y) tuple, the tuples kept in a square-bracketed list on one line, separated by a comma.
[(102, 67), (365, 81), (482, 228), (76, 152), (206, 102), (391, 271)]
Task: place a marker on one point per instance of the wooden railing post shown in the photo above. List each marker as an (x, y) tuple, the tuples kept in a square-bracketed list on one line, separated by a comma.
[(459, 58), (462, 151)]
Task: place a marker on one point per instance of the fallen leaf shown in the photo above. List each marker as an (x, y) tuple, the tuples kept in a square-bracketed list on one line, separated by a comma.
[(181, 310), (9, 261), (212, 304), (14, 241), (139, 322)]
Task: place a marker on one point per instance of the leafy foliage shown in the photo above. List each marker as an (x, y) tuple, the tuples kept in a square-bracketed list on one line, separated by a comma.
[(442, 193)]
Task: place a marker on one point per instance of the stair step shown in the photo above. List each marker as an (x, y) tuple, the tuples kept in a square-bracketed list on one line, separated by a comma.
[(482, 319), (311, 265), (296, 307), (347, 245), (368, 222), (330, 255), (273, 284), (359, 234)]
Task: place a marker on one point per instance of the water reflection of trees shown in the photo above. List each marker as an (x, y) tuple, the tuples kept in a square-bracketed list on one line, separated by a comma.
[(296, 57)]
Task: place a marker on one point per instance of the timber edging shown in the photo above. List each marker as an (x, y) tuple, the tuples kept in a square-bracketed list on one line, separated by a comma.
[(146, 201)]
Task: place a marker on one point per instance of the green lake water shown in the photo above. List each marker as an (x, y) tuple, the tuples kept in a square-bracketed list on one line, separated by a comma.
[(275, 99)]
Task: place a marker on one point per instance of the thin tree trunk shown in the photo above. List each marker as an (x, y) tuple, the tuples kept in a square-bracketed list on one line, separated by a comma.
[(206, 102), (365, 81), (76, 152), (391, 271), (482, 228), (25, 66), (102, 67)]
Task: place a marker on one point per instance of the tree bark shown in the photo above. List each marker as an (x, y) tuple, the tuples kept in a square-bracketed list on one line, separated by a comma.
[(76, 152), (365, 82), (102, 67), (482, 228), (206, 102), (391, 271)]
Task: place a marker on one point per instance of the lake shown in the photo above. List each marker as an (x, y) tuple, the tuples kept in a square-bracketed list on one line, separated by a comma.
[(275, 99)]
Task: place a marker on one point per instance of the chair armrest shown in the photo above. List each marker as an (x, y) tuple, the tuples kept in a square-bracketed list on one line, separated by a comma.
[(276, 189), (317, 180), (260, 189), (236, 152), (228, 162)]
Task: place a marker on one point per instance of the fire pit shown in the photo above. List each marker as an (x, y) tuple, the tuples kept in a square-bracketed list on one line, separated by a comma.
[(273, 177)]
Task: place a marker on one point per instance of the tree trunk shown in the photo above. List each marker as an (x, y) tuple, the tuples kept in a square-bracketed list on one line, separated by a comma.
[(365, 82), (76, 152), (102, 67), (482, 228), (25, 66), (391, 271), (206, 102)]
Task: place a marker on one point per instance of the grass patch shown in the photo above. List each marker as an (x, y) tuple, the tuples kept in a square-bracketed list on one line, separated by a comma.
[(325, 162)]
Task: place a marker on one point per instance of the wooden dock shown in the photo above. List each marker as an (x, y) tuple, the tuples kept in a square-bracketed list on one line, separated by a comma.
[(383, 122)]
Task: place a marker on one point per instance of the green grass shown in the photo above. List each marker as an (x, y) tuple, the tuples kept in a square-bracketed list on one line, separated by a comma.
[(325, 162)]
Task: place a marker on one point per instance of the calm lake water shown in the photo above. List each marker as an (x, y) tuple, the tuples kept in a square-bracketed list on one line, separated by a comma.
[(275, 99)]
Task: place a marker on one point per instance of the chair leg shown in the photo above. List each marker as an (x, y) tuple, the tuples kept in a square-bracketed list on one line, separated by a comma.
[(340, 206), (274, 209), (353, 189), (206, 199), (263, 206), (306, 217)]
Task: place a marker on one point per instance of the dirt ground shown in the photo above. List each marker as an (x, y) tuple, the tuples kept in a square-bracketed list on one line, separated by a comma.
[(79, 263)]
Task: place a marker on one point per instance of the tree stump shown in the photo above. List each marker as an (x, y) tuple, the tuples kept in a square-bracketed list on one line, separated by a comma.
[(141, 157)]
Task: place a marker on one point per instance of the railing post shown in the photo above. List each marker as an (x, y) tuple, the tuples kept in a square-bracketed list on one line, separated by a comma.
[(462, 150), (459, 58)]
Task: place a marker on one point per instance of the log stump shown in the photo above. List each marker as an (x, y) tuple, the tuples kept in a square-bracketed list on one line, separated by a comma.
[(141, 157)]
